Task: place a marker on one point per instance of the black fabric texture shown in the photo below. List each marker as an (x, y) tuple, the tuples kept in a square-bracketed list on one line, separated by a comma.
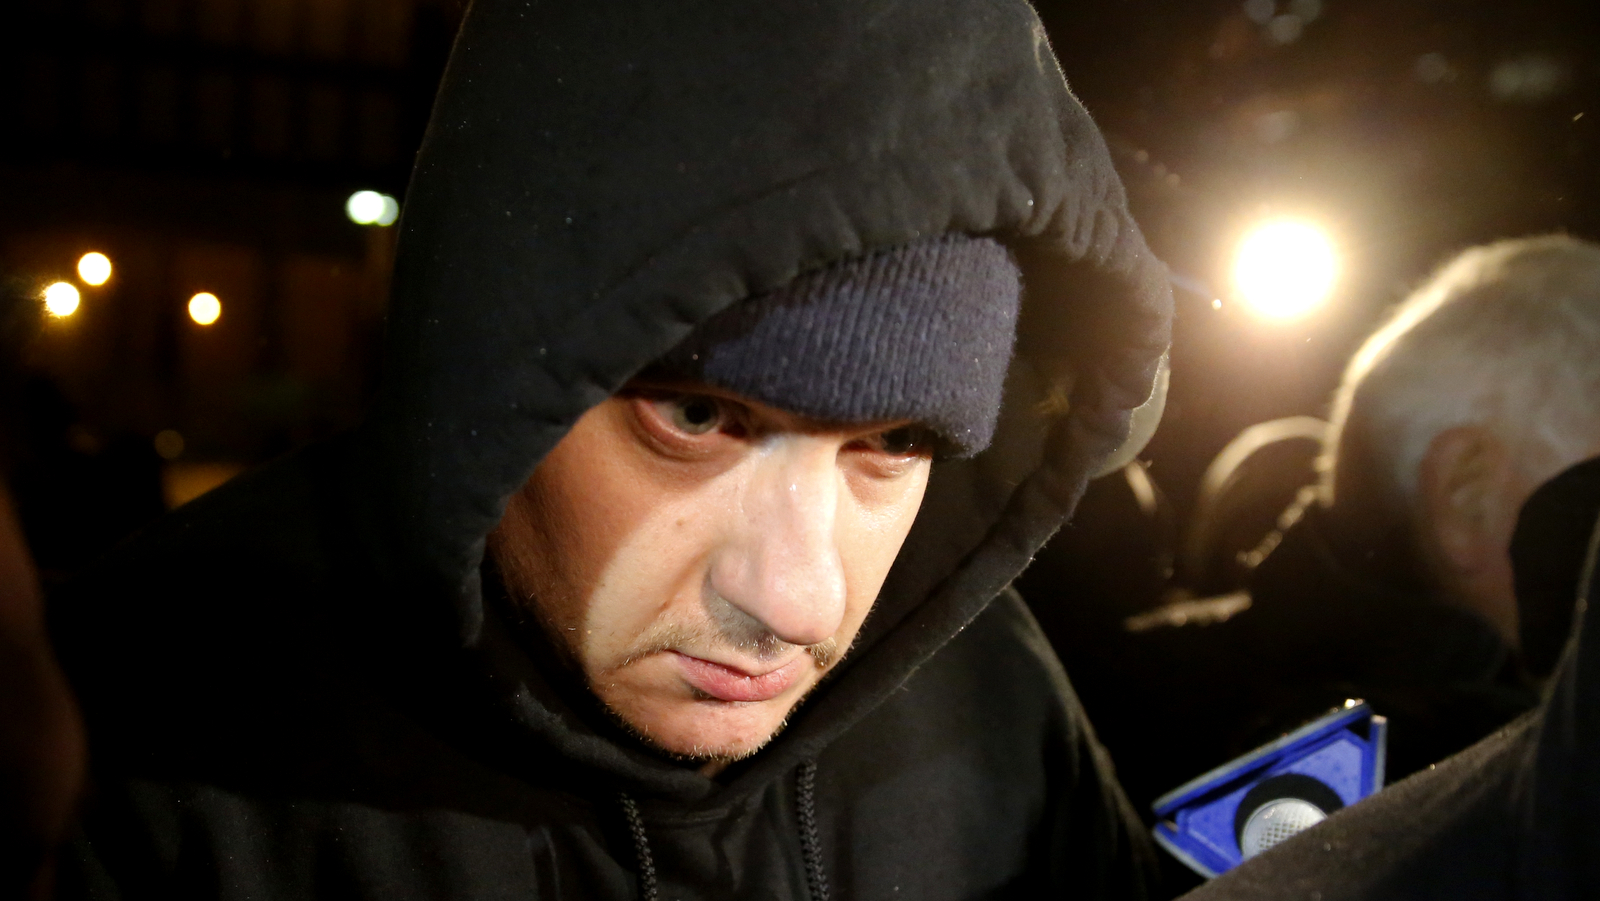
[(921, 332), (1547, 554), (306, 684), (1510, 818)]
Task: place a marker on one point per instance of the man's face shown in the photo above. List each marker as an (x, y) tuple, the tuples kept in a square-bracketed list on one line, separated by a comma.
[(705, 559)]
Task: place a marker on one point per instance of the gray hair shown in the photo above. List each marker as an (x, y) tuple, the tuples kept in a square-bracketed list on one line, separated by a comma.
[(1506, 335)]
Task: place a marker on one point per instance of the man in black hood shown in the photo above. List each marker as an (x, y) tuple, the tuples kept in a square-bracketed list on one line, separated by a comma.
[(673, 557)]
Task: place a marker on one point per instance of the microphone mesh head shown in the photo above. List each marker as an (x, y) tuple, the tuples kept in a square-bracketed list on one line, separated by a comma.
[(1275, 821)]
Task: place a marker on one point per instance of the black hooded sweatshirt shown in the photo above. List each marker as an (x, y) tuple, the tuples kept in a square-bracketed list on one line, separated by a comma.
[(307, 683)]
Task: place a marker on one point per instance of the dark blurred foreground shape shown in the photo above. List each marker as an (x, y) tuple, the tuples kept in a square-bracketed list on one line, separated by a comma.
[(1512, 817), (42, 748), (1550, 552)]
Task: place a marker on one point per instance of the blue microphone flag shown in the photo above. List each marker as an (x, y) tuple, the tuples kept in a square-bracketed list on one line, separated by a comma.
[(1217, 821)]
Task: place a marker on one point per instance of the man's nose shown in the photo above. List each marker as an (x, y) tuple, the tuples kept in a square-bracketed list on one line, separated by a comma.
[(782, 566)]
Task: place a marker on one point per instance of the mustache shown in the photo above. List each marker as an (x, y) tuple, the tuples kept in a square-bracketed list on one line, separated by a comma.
[(728, 628)]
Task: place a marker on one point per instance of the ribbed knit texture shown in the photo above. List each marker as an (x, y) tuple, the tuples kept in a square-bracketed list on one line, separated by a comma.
[(923, 332)]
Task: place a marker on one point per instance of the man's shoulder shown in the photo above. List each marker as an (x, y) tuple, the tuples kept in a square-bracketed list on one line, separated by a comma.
[(1007, 645), (987, 750), (997, 683)]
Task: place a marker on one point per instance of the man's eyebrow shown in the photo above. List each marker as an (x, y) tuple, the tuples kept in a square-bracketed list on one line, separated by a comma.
[(672, 385), (646, 383)]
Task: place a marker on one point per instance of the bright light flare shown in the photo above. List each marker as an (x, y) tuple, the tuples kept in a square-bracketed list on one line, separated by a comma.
[(204, 308), (1285, 268), (61, 300), (372, 208), (94, 268)]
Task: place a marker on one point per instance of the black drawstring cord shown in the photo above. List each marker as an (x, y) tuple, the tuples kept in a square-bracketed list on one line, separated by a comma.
[(810, 844), (641, 848)]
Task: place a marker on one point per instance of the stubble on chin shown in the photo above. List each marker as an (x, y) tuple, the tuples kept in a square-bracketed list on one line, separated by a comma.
[(679, 638), (699, 754)]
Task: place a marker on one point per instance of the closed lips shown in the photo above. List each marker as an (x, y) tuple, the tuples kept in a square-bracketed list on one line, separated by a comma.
[(726, 683)]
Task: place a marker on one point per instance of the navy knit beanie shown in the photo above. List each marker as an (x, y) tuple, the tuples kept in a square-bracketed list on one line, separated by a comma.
[(921, 332)]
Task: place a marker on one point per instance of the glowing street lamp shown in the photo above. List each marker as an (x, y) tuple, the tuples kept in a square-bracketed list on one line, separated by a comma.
[(94, 268), (1285, 268), (372, 208), (61, 300), (204, 308)]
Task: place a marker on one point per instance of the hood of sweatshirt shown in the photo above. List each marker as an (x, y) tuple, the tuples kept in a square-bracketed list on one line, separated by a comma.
[(598, 178)]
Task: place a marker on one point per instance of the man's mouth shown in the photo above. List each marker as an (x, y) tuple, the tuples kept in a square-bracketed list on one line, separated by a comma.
[(727, 683)]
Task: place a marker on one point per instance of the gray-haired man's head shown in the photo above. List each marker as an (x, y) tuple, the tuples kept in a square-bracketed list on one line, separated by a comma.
[(1480, 387)]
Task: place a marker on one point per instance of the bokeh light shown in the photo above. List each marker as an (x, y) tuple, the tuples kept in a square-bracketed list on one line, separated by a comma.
[(169, 444), (61, 299), (372, 208), (1285, 268), (94, 268), (205, 308)]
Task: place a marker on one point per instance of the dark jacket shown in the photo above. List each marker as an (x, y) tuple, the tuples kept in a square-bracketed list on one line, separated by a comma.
[(307, 683)]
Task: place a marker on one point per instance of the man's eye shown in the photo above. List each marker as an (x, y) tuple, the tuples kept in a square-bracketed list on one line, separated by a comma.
[(905, 441), (694, 414)]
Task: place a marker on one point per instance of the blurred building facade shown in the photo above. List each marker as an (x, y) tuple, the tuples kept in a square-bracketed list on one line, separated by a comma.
[(209, 146)]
